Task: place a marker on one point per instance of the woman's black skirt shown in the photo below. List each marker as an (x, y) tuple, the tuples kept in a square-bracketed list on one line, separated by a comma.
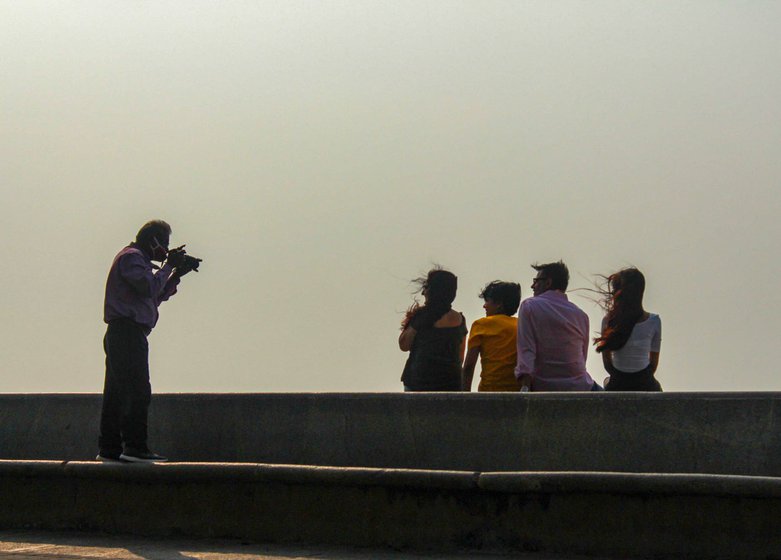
[(642, 380)]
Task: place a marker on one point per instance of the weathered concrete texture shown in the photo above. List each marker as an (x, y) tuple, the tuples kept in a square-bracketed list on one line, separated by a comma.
[(24, 545), (726, 433), (669, 516)]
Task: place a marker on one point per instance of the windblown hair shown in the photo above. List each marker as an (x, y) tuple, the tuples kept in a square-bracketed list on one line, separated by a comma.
[(623, 302), (506, 294), (439, 287), (557, 272), (152, 229)]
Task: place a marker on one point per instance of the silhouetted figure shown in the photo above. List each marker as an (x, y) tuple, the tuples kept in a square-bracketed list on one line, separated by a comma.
[(631, 337), (493, 340), (133, 293), (434, 334), (553, 336)]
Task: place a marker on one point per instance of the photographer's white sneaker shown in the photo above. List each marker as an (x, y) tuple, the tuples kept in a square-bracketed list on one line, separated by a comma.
[(109, 458), (137, 456)]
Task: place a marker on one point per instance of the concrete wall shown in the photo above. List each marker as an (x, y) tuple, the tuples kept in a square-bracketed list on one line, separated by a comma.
[(467, 491), (641, 516), (729, 433)]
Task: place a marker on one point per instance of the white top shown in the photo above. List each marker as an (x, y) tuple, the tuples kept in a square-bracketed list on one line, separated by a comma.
[(646, 337)]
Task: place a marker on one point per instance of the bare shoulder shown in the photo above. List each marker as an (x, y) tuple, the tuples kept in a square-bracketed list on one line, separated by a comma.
[(452, 318)]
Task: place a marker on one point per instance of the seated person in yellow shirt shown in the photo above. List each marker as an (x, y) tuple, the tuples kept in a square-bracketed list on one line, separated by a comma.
[(492, 338)]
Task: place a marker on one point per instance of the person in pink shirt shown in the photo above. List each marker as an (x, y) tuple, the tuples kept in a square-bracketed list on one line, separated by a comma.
[(553, 336), (134, 290)]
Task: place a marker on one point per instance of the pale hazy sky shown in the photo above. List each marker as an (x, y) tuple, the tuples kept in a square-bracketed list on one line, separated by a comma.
[(318, 155)]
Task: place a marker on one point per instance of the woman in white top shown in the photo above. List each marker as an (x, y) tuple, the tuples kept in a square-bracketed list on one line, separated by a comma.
[(631, 337)]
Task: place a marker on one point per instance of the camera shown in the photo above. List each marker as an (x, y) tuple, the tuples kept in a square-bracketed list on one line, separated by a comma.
[(183, 262), (191, 263)]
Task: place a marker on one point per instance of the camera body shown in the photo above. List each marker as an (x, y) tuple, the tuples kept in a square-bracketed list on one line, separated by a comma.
[(191, 263), (183, 262)]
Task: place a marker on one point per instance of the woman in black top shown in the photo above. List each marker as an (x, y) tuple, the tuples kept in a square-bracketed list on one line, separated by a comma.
[(434, 335)]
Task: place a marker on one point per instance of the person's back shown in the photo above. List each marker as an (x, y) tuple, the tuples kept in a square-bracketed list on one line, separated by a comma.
[(497, 352), (630, 338), (553, 336), (493, 339), (434, 336), (434, 363), (560, 332), (645, 337)]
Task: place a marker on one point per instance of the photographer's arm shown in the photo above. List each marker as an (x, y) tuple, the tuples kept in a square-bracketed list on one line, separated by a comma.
[(173, 262), (170, 288), (138, 273)]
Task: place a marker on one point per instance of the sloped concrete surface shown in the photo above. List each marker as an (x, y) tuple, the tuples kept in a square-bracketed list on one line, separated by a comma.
[(32, 545), (643, 514)]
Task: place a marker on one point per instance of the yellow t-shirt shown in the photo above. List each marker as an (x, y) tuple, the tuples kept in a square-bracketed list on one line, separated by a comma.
[(495, 336)]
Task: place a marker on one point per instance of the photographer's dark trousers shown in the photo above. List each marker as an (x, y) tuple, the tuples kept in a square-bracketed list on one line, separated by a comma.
[(126, 391)]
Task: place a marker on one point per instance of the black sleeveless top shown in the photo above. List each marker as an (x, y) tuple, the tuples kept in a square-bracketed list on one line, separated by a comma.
[(434, 360)]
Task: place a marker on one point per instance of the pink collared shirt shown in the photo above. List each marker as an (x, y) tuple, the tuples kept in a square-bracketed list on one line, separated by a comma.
[(134, 290), (553, 341)]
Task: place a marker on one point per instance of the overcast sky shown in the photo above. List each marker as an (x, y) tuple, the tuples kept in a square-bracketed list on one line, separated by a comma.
[(319, 155)]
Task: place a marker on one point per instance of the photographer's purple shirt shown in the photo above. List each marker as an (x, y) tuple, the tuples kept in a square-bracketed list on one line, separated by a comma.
[(134, 290)]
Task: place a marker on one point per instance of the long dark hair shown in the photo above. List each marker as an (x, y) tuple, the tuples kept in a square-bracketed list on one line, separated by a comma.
[(439, 287), (623, 302)]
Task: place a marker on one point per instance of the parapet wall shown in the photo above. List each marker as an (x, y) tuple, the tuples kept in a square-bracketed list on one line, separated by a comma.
[(655, 516), (707, 433)]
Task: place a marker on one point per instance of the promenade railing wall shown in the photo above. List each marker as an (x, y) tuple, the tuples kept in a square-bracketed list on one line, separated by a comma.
[(678, 475), (713, 433)]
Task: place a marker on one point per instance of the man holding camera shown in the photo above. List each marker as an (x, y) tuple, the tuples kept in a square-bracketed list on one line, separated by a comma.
[(133, 293)]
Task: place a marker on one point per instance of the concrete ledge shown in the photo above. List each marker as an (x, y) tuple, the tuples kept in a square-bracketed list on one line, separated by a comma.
[(707, 433), (724, 486), (502, 473), (644, 515), (505, 482), (289, 474)]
